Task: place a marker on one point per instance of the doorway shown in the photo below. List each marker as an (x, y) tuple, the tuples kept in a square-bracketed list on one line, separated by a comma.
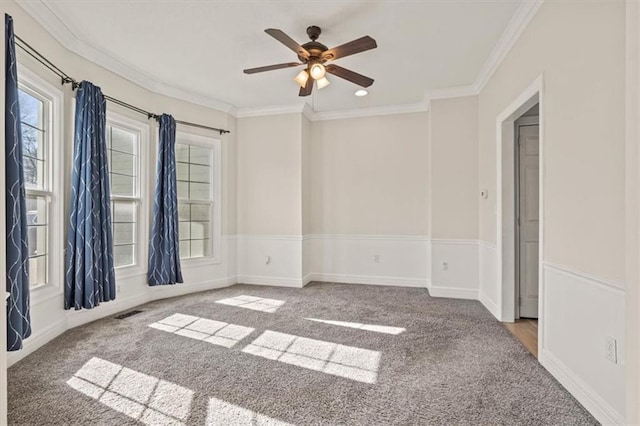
[(527, 228), (520, 216)]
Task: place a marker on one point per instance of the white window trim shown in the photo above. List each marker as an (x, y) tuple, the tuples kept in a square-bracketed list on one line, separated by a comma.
[(56, 244), (142, 216), (216, 195)]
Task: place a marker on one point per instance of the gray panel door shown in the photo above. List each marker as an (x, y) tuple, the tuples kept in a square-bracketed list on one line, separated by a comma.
[(528, 220)]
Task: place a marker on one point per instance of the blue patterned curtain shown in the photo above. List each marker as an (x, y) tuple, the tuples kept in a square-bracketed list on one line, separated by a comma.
[(89, 277), (18, 321), (164, 252)]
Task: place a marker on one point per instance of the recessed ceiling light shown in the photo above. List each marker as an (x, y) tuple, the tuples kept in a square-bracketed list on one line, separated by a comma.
[(361, 92)]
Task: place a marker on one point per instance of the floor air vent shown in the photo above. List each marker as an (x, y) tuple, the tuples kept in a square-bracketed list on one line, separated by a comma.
[(128, 314)]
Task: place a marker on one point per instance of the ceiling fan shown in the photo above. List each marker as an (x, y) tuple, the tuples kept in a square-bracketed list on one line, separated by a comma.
[(315, 55)]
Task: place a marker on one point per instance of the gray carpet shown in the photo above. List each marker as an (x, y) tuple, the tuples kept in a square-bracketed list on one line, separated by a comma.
[(454, 364)]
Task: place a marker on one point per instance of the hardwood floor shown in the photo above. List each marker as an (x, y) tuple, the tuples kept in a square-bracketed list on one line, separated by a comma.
[(526, 331)]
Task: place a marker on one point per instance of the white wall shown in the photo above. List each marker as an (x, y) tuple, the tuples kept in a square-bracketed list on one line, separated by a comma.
[(369, 200), (584, 88), (369, 176), (454, 168), (270, 199), (453, 202), (47, 314), (632, 206), (579, 50), (340, 200), (306, 198), (269, 175)]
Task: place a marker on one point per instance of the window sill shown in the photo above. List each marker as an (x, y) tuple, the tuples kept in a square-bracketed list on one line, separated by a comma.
[(44, 293), (200, 261), (126, 272)]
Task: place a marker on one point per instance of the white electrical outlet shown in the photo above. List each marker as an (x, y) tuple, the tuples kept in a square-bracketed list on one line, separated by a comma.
[(611, 349), (445, 266), (376, 258)]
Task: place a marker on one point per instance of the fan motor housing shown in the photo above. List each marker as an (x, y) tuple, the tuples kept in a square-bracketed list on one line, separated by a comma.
[(315, 49)]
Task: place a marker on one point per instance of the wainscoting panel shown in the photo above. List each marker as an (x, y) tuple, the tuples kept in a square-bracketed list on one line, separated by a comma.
[(454, 269), (580, 313), (270, 260), (489, 286), (49, 319), (368, 259)]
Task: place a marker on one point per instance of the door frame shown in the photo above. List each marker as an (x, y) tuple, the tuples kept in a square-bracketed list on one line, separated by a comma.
[(519, 122), (505, 203)]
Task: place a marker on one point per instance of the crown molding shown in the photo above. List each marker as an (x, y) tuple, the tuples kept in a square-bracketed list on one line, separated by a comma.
[(369, 112), (312, 115), (307, 111), (48, 19), (450, 92), (519, 21), (192, 97), (271, 110)]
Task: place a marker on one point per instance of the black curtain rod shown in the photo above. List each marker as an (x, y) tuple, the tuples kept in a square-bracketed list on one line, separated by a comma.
[(66, 79)]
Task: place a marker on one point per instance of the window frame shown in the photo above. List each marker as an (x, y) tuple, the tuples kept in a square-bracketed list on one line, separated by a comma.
[(213, 144), (32, 83), (115, 119)]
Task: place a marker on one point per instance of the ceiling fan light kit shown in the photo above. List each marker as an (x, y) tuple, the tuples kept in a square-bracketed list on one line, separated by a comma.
[(315, 56), (323, 82), (302, 78), (317, 71)]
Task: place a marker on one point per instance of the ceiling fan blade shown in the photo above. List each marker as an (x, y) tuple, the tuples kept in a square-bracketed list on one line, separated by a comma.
[(356, 46), (349, 75), (272, 67), (288, 41), (307, 89)]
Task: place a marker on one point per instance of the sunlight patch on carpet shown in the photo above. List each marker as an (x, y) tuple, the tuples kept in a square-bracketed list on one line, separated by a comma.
[(368, 327), (254, 303), (331, 358), (142, 397), (214, 332), (221, 413)]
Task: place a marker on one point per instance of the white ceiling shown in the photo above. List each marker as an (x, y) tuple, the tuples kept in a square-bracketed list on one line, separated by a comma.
[(203, 46)]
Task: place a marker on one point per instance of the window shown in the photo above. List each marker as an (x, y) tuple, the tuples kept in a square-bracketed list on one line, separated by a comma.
[(123, 147), (41, 129), (35, 115), (196, 167)]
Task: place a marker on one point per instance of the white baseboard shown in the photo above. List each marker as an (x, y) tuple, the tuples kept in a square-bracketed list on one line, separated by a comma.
[(307, 279), (168, 291), (72, 319), (37, 340), (488, 279), (491, 306), (370, 280), (268, 280), (84, 316), (599, 408), (436, 290)]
